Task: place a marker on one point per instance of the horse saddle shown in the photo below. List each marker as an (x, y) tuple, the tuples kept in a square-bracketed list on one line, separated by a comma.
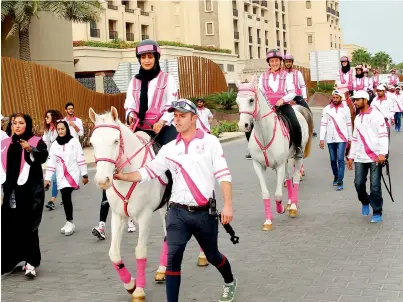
[(284, 119)]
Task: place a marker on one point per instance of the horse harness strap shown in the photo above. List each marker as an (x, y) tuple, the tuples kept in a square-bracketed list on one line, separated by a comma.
[(118, 166)]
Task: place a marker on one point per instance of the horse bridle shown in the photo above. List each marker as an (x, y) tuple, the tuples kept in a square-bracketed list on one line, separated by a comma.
[(255, 111)]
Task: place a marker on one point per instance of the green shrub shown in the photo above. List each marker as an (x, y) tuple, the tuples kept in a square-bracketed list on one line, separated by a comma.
[(322, 87), (119, 44), (225, 99), (224, 126)]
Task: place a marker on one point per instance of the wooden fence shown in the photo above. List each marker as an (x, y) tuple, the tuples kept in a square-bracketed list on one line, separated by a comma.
[(199, 77), (32, 88)]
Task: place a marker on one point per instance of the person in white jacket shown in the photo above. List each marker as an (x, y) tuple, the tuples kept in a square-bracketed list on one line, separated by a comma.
[(384, 104), (66, 158), (369, 149), (336, 131), (49, 136), (398, 109)]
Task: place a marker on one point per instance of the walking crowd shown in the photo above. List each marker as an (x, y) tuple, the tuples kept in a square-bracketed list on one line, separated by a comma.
[(355, 126)]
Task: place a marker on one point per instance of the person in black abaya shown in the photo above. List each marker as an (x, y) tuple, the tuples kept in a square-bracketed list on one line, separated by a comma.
[(22, 179)]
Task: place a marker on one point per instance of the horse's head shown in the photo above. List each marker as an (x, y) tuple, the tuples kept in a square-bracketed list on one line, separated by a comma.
[(108, 145), (248, 103)]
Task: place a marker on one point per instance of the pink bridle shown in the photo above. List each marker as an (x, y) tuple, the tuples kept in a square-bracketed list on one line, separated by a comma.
[(254, 114), (119, 166)]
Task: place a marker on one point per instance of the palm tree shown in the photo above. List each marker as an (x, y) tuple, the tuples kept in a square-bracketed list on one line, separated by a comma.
[(360, 56), (381, 60), (22, 12)]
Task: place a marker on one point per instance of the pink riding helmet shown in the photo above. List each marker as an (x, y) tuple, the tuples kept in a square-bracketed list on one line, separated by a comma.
[(344, 59), (289, 57), (274, 53), (147, 46)]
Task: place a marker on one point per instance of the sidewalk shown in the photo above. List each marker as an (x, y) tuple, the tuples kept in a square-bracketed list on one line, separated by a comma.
[(90, 159)]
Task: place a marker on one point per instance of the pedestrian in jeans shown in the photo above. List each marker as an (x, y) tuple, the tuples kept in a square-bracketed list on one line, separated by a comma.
[(195, 157), (369, 148), (66, 158), (335, 129), (49, 136)]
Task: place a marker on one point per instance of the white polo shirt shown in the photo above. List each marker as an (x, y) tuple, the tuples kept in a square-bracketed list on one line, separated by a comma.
[(194, 165), (335, 125), (370, 137), (79, 124), (203, 121)]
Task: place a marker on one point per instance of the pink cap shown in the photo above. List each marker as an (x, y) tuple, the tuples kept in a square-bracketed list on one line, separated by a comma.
[(344, 59), (288, 57), (274, 54)]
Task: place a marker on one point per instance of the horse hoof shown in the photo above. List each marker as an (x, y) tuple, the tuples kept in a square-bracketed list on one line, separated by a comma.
[(160, 277), (287, 208), (139, 298), (202, 261), (267, 227), (293, 213), (131, 291)]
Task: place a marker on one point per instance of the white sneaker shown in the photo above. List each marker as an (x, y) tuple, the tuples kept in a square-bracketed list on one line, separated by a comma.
[(131, 227), (30, 271), (63, 229), (69, 228)]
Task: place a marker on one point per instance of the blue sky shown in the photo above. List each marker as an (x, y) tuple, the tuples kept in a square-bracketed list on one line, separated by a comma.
[(376, 25)]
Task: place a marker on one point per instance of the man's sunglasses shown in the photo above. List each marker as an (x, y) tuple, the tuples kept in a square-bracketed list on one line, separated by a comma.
[(182, 105)]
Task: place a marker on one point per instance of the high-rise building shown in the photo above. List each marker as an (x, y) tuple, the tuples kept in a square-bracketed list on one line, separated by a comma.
[(314, 26)]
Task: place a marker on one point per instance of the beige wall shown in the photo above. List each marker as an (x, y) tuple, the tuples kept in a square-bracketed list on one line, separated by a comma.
[(50, 42), (324, 27), (96, 59), (119, 17)]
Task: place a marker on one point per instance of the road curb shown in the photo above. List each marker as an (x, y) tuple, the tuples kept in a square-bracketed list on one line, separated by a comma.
[(228, 139)]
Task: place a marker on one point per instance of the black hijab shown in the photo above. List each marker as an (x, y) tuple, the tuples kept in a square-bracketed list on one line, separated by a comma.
[(62, 140), (346, 68), (10, 123), (145, 76), (14, 153), (359, 76)]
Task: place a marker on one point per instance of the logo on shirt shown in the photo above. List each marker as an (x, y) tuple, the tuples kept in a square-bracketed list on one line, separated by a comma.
[(200, 149)]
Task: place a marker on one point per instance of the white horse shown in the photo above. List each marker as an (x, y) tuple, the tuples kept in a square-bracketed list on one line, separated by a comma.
[(117, 147), (269, 145)]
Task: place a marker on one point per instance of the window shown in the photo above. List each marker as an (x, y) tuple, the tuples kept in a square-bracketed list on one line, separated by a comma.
[(250, 52), (309, 21), (209, 28), (310, 40), (93, 24), (230, 68), (221, 66), (258, 52), (308, 4), (208, 6)]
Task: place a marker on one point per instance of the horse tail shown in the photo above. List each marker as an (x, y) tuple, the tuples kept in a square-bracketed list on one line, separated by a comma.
[(307, 114)]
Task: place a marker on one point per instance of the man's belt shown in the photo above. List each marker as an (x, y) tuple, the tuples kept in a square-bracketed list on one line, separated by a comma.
[(189, 208)]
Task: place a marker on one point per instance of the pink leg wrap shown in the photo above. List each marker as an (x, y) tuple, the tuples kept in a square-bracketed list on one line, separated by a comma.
[(141, 272), (122, 271), (279, 207), (164, 254), (294, 199), (302, 169), (267, 209), (289, 188)]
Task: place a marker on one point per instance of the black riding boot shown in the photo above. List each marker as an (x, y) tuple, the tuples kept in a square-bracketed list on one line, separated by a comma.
[(287, 110)]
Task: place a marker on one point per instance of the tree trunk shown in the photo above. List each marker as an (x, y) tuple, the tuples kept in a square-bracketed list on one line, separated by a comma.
[(25, 49)]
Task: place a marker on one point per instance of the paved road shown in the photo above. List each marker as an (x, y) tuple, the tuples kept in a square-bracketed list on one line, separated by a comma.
[(328, 253)]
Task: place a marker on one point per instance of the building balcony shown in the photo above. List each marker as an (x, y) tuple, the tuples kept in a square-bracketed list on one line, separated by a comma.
[(276, 5), (278, 24), (278, 43), (259, 41), (113, 34), (129, 10), (235, 12), (284, 27), (256, 1), (266, 41), (257, 19), (236, 35), (250, 39), (145, 37), (285, 44), (264, 3), (332, 11), (266, 21), (111, 6), (144, 13), (283, 8), (94, 33), (249, 16), (129, 36), (338, 14)]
